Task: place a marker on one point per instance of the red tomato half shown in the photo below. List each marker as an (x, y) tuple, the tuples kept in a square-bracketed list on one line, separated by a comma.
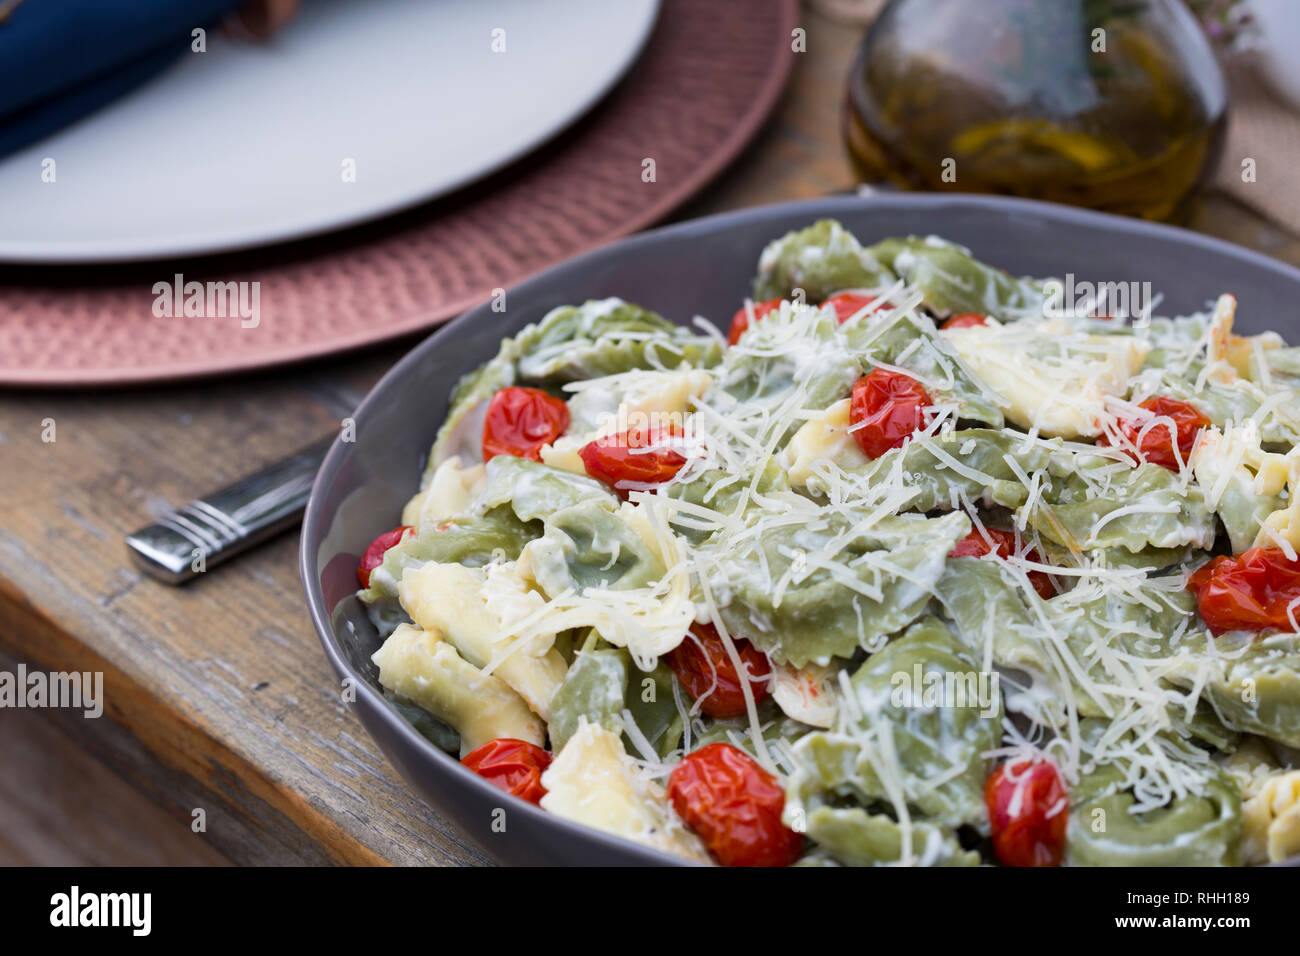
[(965, 320), (891, 404), (1249, 592), (735, 806), (374, 555), (740, 321), (704, 667), (849, 304), (521, 420), (1004, 546), (1028, 808), (1157, 446), (514, 766), (637, 455)]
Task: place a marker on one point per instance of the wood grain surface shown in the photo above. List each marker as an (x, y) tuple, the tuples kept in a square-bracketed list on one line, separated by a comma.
[(218, 696), (60, 806)]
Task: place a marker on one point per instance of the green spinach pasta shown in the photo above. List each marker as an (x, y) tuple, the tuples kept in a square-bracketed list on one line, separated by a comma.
[(911, 565)]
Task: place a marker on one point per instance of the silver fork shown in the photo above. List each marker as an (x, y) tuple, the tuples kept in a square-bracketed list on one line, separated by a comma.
[(220, 525)]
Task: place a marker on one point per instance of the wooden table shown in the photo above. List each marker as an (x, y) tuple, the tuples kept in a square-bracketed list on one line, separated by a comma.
[(218, 695)]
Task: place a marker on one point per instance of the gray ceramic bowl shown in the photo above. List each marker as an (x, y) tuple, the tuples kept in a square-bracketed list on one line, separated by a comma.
[(704, 268)]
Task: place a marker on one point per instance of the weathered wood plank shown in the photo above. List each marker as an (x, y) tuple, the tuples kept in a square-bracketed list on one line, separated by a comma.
[(222, 682), (60, 806)]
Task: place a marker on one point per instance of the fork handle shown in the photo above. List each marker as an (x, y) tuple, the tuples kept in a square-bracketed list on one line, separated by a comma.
[(218, 526)]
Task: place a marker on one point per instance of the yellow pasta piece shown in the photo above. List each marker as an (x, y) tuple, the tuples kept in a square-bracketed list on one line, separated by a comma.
[(1283, 524), (454, 600), (563, 453), (592, 782), (448, 494), (1053, 378), (425, 669), (1272, 820), (823, 438), (805, 693), (636, 399)]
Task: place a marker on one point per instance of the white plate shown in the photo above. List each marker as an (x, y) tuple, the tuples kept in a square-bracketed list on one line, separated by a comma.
[(246, 144)]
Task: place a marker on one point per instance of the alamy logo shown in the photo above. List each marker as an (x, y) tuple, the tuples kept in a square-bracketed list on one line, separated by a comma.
[(61, 689), (932, 689), (1098, 300), (74, 908), (208, 300), (646, 429)]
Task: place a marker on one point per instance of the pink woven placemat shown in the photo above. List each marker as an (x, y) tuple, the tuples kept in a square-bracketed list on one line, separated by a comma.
[(709, 76)]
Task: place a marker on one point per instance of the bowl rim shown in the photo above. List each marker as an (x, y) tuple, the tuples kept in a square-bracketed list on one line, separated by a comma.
[(315, 520)]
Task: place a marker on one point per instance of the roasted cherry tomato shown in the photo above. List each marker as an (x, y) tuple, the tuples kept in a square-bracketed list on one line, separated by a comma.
[(1157, 445), (514, 766), (891, 405), (849, 304), (704, 667), (1249, 592), (740, 321), (964, 321), (638, 455), (1004, 546), (521, 420), (735, 806), (1028, 807), (374, 555)]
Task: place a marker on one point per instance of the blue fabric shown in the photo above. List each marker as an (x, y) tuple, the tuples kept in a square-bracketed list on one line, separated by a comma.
[(63, 59)]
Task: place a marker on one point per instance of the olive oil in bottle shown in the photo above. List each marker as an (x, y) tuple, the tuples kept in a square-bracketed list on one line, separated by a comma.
[(1117, 105)]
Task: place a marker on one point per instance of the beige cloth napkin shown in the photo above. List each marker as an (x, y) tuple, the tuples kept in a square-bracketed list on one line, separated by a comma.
[(1260, 127)]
